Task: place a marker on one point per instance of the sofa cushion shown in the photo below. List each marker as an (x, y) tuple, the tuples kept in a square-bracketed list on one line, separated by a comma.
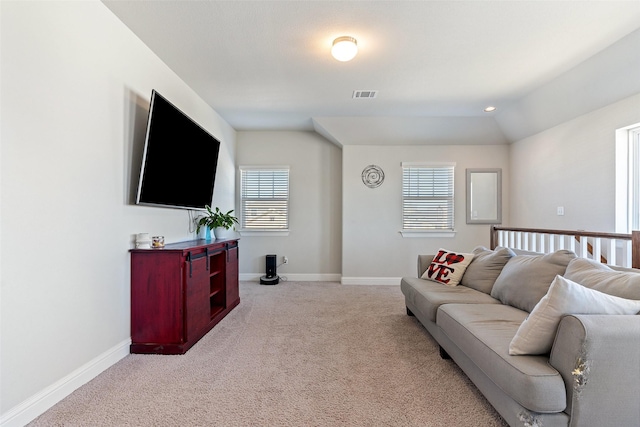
[(600, 277), (536, 334), (426, 296), (447, 267), (485, 268), (526, 278), (484, 332)]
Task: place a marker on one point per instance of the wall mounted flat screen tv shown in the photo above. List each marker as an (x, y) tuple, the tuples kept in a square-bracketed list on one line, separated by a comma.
[(179, 161)]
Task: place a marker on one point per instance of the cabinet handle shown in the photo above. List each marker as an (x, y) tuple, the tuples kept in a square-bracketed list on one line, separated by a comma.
[(189, 261)]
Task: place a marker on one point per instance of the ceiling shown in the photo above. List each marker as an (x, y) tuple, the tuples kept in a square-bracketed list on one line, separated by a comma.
[(266, 65)]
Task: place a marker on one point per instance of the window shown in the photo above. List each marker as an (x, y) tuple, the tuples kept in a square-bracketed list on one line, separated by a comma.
[(427, 196), (264, 198), (628, 179)]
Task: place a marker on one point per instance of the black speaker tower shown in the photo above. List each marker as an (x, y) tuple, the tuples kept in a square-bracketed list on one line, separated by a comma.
[(271, 277)]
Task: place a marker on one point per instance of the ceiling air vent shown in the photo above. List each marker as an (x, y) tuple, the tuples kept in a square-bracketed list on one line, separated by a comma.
[(370, 94)]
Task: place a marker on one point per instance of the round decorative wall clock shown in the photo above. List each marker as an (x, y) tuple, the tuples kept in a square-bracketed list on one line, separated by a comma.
[(372, 176)]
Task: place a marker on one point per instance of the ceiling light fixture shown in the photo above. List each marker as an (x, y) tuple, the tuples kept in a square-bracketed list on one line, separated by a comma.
[(344, 48), (490, 109)]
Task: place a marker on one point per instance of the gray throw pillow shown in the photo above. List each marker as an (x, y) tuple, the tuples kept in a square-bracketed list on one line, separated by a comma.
[(485, 268), (526, 278), (600, 277), (535, 335)]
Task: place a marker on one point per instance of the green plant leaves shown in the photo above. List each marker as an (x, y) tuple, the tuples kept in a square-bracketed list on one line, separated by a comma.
[(213, 219)]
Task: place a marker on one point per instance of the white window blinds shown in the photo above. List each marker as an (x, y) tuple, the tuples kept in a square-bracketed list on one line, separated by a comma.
[(427, 196), (264, 198)]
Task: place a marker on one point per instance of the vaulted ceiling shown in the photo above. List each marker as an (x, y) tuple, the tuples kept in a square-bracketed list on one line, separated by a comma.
[(434, 64)]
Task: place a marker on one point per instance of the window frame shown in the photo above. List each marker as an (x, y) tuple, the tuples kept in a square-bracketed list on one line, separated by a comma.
[(634, 179), (627, 172), (429, 232), (244, 231)]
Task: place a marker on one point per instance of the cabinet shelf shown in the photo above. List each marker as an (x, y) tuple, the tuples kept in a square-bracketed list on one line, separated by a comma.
[(215, 310)]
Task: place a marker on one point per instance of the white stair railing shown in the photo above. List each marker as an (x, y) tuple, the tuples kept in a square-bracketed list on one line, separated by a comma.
[(609, 248)]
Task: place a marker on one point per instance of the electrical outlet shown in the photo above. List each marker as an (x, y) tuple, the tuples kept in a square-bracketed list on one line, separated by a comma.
[(560, 210), (285, 260)]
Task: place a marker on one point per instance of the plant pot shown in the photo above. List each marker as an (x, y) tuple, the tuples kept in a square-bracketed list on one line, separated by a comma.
[(223, 233)]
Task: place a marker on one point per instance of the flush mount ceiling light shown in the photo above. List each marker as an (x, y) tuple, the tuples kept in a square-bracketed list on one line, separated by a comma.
[(344, 48), (490, 109)]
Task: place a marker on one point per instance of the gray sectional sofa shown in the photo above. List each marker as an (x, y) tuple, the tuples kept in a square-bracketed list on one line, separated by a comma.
[(590, 376)]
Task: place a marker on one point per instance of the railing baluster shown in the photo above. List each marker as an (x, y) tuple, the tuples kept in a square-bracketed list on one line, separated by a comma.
[(534, 242), (611, 251), (584, 242), (561, 241), (597, 249)]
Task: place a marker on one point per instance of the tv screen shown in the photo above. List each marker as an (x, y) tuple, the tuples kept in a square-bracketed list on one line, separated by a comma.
[(179, 161)]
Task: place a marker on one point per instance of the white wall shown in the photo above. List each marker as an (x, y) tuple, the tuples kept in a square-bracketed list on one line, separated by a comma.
[(313, 245), (373, 250), (570, 165), (607, 77), (75, 89)]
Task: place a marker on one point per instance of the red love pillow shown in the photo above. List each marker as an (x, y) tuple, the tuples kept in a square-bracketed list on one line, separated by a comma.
[(448, 267)]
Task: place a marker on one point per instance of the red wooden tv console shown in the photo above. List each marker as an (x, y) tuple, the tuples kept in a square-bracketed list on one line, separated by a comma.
[(180, 292)]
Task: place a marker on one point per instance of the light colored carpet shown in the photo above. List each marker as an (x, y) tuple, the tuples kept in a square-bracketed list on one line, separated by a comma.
[(293, 354)]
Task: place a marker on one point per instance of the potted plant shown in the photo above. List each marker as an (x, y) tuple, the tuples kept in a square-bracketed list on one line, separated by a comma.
[(216, 221)]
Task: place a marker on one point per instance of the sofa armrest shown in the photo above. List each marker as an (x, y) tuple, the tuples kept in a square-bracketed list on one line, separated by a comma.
[(423, 263), (598, 357)]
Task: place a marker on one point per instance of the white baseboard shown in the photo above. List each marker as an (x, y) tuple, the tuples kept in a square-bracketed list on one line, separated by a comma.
[(370, 280), (39, 403), (255, 277)]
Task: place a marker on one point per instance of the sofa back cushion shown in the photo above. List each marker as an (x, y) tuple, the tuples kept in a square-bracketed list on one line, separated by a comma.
[(600, 277), (525, 279), (485, 268)]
